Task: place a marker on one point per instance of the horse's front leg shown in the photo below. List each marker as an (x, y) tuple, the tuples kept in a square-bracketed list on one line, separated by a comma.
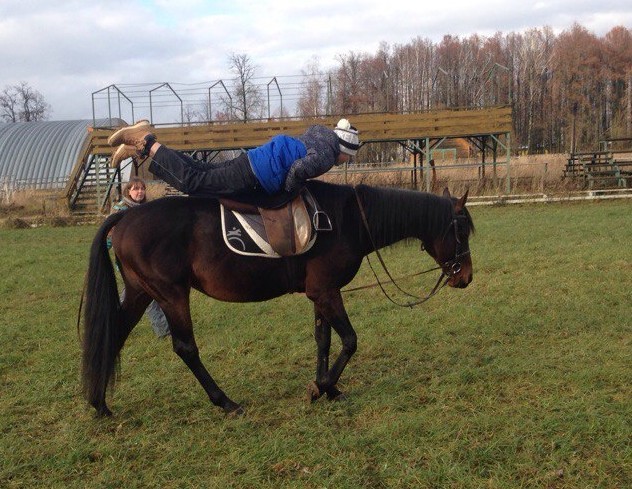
[(330, 313), (322, 335)]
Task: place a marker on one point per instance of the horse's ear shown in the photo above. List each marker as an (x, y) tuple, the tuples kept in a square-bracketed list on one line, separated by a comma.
[(460, 204), (446, 193)]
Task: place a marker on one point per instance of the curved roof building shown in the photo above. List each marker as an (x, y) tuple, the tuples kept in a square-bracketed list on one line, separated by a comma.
[(42, 153)]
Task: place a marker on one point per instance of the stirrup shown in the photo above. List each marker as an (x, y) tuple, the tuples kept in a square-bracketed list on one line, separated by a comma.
[(326, 224)]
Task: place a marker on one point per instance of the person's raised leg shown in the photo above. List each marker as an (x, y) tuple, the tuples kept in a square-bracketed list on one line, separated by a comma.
[(225, 179)]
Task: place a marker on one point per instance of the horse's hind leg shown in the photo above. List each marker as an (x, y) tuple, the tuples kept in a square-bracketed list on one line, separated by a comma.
[(133, 306), (179, 317)]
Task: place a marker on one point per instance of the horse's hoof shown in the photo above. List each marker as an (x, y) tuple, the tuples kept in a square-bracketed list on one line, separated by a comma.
[(234, 411), (313, 392), (336, 396), (103, 412)]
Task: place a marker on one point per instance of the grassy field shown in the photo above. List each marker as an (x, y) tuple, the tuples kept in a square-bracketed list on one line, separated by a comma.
[(523, 379)]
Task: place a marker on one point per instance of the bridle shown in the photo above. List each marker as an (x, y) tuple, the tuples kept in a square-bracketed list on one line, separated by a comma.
[(453, 267), (449, 268)]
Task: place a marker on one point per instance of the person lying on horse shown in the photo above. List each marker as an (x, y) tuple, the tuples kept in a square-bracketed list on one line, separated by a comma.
[(282, 164)]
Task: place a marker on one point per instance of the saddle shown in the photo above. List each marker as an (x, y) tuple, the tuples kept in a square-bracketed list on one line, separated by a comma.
[(288, 229)]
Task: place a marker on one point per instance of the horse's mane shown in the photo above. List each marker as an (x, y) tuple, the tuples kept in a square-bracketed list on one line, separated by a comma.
[(391, 209)]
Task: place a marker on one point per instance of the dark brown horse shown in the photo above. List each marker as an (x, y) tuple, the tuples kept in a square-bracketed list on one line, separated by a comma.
[(168, 246)]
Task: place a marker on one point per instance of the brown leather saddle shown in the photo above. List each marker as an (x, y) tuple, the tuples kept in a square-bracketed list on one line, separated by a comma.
[(286, 230)]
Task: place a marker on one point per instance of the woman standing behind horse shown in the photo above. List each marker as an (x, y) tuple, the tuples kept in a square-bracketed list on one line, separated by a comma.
[(135, 194)]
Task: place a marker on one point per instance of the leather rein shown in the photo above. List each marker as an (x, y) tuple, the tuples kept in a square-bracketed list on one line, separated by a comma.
[(448, 269)]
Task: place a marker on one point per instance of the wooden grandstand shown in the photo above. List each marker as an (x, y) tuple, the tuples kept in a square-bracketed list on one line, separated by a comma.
[(419, 132)]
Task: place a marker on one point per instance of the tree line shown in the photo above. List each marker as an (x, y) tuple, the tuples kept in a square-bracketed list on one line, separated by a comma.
[(567, 91)]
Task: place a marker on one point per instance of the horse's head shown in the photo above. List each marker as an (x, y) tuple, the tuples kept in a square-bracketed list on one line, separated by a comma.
[(450, 248)]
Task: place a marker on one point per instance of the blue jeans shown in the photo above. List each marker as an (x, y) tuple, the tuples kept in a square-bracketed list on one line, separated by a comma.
[(156, 317)]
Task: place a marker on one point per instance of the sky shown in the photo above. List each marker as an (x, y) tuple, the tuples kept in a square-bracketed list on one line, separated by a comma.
[(69, 49)]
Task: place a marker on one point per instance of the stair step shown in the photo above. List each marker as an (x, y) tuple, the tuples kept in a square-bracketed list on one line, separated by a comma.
[(93, 187)]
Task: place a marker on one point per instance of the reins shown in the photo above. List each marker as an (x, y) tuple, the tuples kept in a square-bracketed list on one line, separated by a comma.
[(451, 265)]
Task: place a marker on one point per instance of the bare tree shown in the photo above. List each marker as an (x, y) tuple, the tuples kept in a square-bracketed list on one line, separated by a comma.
[(618, 61), (191, 114), (22, 103), (248, 101), (577, 85), (349, 97), (9, 105), (311, 102)]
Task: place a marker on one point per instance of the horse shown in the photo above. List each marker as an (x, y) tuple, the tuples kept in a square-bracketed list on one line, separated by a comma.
[(170, 245)]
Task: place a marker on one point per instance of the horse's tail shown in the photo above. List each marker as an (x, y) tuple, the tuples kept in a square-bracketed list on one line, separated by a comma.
[(101, 338)]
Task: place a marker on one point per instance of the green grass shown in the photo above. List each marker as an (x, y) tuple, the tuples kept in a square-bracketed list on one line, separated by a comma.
[(521, 380)]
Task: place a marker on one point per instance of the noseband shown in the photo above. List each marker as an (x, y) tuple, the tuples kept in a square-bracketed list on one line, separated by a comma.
[(449, 269)]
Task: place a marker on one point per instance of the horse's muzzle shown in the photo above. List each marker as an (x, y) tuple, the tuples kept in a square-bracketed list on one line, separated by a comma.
[(461, 279)]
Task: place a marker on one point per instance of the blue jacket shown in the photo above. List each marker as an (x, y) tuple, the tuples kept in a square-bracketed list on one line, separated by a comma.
[(286, 162), (272, 161)]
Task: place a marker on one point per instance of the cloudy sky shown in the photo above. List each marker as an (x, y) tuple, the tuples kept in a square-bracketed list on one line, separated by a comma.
[(68, 49)]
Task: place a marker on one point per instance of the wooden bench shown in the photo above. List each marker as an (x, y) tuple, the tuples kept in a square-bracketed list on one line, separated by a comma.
[(598, 168), (605, 174), (577, 161), (625, 167)]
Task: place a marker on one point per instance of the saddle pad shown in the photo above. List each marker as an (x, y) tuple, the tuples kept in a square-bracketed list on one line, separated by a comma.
[(245, 234)]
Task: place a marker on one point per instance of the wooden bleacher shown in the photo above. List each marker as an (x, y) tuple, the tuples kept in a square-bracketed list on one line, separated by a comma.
[(383, 127), (622, 156), (600, 169)]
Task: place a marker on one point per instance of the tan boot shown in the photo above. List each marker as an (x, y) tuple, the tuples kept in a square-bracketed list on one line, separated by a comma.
[(132, 135), (123, 152)]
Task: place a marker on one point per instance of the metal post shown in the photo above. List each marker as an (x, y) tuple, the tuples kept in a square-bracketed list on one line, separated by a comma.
[(508, 146), (329, 95), (109, 107), (484, 155), (426, 165), (280, 96), (151, 110), (94, 120), (413, 174), (210, 106)]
